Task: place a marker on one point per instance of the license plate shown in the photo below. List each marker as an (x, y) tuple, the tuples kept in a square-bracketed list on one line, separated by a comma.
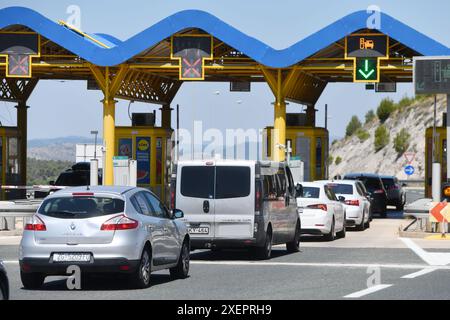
[(71, 257), (198, 230)]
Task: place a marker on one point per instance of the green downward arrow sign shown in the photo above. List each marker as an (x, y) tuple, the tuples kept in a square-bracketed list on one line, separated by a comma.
[(367, 73)]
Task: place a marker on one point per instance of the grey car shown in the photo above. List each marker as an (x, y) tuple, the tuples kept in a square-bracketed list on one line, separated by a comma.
[(4, 284), (104, 229)]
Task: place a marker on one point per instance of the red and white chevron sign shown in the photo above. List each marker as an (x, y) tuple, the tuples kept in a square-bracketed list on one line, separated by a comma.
[(440, 212)]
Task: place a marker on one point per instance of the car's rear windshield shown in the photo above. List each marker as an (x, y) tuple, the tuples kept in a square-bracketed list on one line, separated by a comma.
[(197, 182), (388, 182), (311, 193), (232, 182), (341, 188), (81, 207), (371, 184)]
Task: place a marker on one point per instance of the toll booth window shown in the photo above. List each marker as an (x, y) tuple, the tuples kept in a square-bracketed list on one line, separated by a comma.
[(12, 162), (318, 157), (444, 160), (197, 182), (429, 160), (1, 159), (232, 182)]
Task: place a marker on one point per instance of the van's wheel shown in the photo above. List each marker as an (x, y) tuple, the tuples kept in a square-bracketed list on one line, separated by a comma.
[(332, 234), (141, 277), (341, 234), (294, 246), (32, 280), (264, 252), (181, 270), (361, 226)]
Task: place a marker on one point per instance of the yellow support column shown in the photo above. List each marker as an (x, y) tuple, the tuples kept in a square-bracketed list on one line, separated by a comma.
[(109, 127), (279, 134), (22, 124)]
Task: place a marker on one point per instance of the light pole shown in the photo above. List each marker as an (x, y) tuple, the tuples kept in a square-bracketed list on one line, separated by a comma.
[(95, 133)]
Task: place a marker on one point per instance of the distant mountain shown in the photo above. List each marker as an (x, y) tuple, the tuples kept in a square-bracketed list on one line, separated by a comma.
[(59, 149)]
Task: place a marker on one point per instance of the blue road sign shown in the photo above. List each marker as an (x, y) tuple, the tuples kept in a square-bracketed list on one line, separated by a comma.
[(409, 170)]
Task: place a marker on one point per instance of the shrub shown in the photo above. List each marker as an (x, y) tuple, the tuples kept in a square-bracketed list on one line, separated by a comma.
[(330, 159), (353, 126), (334, 142), (401, 141), (338, 160), (381, 138), (362, 135), (370, 116), (385, 109), (405, 102)]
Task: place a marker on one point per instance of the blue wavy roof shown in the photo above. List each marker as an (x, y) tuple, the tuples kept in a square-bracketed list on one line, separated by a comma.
[(122, 51)]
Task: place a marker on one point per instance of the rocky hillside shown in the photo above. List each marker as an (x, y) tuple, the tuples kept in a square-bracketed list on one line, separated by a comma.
[(353, 154), (58, 149)]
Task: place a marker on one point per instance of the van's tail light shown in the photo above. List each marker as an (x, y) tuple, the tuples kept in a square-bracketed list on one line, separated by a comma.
[(258, 195), (380, 191), (172, 194), (36, 224), (318, 207), (352, 203), (121, 222)]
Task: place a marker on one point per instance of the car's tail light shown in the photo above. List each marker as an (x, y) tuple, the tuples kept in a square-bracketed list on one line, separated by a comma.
[(121, 222), (318, 207), (380, 191), (173, 184), (82, 194), (352, 202), (257, 197), (36, 224)]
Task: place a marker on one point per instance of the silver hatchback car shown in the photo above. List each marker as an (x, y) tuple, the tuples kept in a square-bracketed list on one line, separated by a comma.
[(104, 229)]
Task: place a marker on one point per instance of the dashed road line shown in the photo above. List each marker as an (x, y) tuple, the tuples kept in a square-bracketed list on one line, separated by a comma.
[(419, 273), (365, 292)]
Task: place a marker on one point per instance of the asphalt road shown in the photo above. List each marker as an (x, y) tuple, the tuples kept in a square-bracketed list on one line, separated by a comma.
[(365, 265)]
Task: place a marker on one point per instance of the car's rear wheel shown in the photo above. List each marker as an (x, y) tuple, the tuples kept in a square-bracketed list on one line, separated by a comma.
[(32, 280), (341, 234), (361, 226), (264, 252), (332, 234), (181, 270), (141, 277), (3, 294), (294, 246)]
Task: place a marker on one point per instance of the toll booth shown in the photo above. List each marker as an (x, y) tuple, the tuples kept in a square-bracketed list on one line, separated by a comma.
[(441, 156), (10, 162), (309, 144), (151, 148)]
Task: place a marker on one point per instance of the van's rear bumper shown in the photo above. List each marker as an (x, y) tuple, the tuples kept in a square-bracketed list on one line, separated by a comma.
[(41, 265), (209, 243)]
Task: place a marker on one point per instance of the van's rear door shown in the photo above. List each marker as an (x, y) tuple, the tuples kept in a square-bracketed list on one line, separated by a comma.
[(234, 200), (195, 197)]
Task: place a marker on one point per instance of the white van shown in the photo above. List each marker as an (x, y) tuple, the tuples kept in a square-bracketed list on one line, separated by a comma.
[(233, 203)]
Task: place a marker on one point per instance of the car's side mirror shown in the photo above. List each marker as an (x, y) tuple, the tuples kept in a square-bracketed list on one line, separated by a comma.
[(298, 190), (52, 183), (342, 199), (177, 214)]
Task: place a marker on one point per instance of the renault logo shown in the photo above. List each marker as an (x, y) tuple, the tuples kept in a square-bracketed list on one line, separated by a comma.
[(73, 226)]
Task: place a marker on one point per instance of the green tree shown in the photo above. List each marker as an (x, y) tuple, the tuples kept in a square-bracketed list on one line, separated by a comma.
[(381, 138), (385, 109), (353, 126), (330, 159), (370, 116), (401, 141), (362, 135), (338, 160)]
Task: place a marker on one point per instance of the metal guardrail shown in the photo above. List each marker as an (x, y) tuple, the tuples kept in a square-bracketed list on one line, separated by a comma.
[(9, 211)]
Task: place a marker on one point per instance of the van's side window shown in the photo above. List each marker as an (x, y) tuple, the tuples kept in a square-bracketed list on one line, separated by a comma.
[(291, 186), (197, 182), (269, 186), (281, 180)]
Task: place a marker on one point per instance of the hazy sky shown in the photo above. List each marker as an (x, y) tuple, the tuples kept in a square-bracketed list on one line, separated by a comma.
[(67, 108)]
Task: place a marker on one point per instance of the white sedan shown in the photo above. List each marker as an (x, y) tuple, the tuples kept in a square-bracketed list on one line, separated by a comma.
[(357, 206), (321, 212)]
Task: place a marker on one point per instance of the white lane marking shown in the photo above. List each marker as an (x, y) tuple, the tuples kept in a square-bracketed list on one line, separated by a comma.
[(431, 258), (11, 262), (368, 291), (318, 264), (419, 273)]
